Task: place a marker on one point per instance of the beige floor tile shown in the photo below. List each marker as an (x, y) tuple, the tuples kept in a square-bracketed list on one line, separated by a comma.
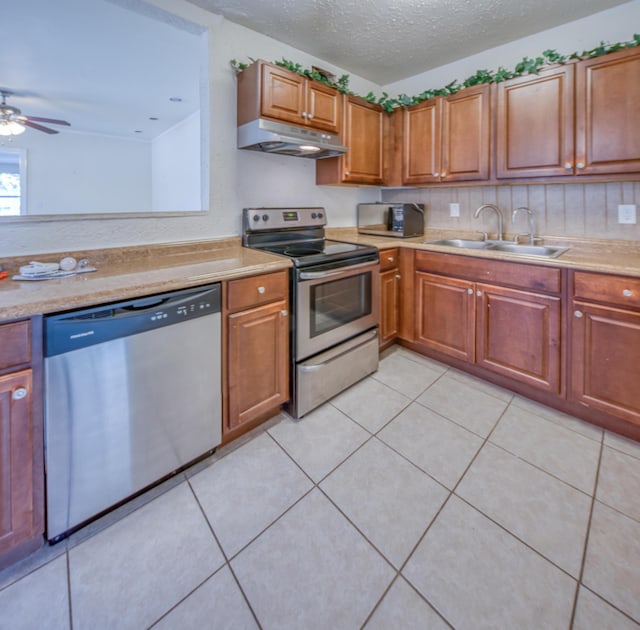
[(612, 565), (619, 482), (593, 613), (390, 500), (478, 576), (403, 608), (247, 490), (561, 452), (371, 403), (144, 564), (440, 447), (569, 422), (464, 404), (218, 603), (620, 443), (539, 509), (483, 386), (312, 569), (38, 600), (405, 375), (320, 440), (420, 358)]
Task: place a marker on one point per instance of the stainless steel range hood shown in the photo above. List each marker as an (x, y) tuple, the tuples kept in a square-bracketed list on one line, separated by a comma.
[(274, 137)]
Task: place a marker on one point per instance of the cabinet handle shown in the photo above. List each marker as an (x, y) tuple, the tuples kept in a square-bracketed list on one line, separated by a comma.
[(580, 165), (304, 114), (470, 291), (443, 174), (436, 174), (627, 292), (261, 290), (19, 393), (398, 276), (284, 312), (346, 173), (568, 165), (578, 314), (390, 258), (479, 293)]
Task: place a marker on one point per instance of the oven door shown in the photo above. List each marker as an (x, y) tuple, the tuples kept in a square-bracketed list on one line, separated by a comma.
[(334, 305)]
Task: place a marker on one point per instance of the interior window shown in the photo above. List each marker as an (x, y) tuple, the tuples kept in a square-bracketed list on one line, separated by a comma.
[(11, 183)]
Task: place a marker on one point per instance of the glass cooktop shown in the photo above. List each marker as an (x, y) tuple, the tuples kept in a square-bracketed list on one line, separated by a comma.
[(317, 250)]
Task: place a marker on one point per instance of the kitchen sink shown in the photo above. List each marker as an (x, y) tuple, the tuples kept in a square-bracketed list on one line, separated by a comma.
[(542, 251), (460, 242)]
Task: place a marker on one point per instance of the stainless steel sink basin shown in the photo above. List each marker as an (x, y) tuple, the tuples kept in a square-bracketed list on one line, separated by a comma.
[(544, 251), (460, 242)]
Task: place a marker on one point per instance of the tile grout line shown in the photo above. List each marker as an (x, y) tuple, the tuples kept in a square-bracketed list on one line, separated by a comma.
[(587, 537)]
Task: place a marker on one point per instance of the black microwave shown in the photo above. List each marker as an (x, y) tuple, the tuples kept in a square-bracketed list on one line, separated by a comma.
[(402, 220)]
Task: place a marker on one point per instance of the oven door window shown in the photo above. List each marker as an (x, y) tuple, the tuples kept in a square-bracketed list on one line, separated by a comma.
[(338, 302)]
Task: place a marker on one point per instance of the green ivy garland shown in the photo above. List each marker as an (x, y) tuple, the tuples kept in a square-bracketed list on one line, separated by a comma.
[(526, 66)]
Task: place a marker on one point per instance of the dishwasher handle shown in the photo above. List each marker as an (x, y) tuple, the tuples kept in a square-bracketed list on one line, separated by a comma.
[(87, 327)]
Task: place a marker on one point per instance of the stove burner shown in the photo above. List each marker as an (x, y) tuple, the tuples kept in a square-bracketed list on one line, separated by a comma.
[(301, 250)]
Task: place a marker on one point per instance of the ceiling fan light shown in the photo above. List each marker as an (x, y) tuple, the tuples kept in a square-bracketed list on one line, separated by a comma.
[(16, 128), (4, 128)]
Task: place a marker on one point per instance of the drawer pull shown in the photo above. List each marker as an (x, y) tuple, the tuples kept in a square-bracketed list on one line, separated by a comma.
[(627, 292), (19, 393), (390, 258), (398, 276), (261, 290), (578, 314)]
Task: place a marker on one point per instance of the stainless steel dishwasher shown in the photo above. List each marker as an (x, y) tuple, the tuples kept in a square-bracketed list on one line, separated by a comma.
[(132, 395)]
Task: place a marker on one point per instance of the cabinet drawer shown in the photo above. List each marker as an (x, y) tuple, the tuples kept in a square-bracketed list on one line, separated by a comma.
[(547, 279), (620, 290), (388, 259), (15, 344), (248, 292)]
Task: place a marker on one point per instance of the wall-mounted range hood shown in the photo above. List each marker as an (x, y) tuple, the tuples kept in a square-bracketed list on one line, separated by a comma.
[(274, 137)]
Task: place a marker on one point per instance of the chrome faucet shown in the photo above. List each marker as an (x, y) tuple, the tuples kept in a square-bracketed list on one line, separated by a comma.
[(476, 214), (532, 224)]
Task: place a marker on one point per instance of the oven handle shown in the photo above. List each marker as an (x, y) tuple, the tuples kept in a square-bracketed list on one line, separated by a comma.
[(317, 275)]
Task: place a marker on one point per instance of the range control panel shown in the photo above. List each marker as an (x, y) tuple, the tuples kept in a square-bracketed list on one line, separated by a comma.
[(262, 219)]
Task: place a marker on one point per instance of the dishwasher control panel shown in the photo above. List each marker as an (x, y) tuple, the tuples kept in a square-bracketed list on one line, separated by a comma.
[(78, 329)]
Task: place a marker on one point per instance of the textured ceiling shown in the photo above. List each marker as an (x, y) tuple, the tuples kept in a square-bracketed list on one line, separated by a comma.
[(388, 40)]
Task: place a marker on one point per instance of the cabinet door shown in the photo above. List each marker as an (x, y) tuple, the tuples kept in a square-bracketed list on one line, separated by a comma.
[(465, 135), (535, 125), (608, 114), (605, 370), (20, 521), (518, 335), (389, 293), (283, 94), (324, 106), (445, 315), (421, 155), (363, 134), (258, 361)]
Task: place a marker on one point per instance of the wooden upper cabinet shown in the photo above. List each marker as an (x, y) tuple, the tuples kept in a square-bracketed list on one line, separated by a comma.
[(268, 91), (363, 128), (534, 131), (608, 114), (447, 139)]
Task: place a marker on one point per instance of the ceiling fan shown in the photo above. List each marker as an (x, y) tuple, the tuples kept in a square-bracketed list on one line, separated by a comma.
[(13, 121)]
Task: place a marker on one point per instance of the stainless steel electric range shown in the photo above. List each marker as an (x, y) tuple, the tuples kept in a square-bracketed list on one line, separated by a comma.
[(334, 301)]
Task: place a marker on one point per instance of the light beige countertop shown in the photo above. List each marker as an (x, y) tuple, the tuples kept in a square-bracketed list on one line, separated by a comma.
[(605, 256), (129, 272)]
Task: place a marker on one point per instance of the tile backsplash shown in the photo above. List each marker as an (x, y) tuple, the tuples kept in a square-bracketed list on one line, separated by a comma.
[(579, 210)]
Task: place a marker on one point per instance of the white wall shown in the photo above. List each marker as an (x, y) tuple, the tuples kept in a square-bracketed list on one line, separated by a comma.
[(101, 171), (614, 25), (244, 178), (175, 167)]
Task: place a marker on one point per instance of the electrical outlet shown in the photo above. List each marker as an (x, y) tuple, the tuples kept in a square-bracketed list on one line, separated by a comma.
[(454, 209), (627, 213)]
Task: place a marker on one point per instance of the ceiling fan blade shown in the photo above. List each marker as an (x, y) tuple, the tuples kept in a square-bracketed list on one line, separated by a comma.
[(53, 121), (33, 125)]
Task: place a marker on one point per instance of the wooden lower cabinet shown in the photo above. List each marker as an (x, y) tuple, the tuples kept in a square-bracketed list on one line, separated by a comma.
[(605, 359), (21, 434), (514, 332), (389, 315), (258, 362), (518, 335)]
